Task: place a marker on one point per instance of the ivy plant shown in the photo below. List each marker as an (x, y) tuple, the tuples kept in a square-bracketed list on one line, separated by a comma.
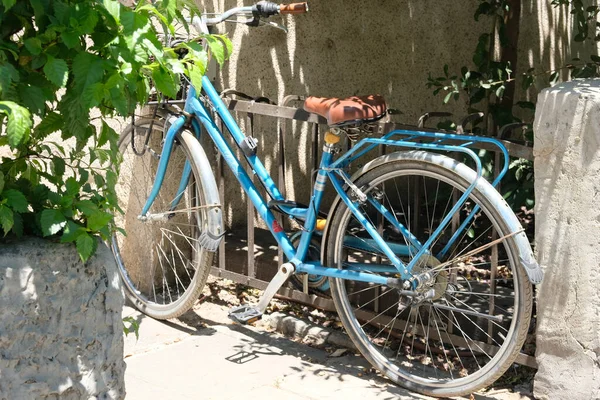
[(66, 68), (488, 83)]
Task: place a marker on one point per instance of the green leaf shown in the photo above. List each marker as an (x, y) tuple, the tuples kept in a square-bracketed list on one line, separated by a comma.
[(228, 44), (195, 74), (108, 135), (170, 6), (76, 117), (8, 74), (165, 82), (196, 53), (86, 246), (33, 98), (57, 71), (142, 90), (114, 9), (88, 71), (34, 45), (16, 200), (217, 48), (72, 186), (38, 61), (18, 224), (448, 97), (19, 123), (87, 207), (111, 178), (103, 156), (500, 91), (98, 220), (71, 38), (98, 180), (84, 174), (93, 95), (66, 203), (8, 4), (52, 222), (58, 167), (471, 233), (134, 327), (6, 219), (2, 181), (88, 23), (134, 24), (52, 122), (72, 232), (157, 13)]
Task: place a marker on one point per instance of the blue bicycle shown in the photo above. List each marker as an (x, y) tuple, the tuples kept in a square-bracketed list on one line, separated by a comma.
[(428, 267)]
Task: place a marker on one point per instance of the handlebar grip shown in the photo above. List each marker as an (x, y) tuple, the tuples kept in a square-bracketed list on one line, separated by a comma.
[(294, 8)]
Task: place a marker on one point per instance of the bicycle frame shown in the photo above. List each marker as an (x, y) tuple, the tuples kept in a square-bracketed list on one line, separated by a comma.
[(328, 170)]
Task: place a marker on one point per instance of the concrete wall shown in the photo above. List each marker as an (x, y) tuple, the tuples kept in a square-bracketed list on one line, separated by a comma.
[(61, 334), (347, 47), (567, 234)]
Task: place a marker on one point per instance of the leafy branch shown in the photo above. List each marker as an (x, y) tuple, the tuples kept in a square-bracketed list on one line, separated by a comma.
[(59, 61)]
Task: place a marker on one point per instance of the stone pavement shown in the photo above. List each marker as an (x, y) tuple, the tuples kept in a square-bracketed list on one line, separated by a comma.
[(205, 356)]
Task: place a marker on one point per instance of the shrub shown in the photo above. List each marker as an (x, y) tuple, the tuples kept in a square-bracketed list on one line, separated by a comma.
[(59, 61)]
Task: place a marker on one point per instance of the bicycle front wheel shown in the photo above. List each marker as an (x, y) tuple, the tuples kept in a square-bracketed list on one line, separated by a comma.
[(161, 263), (472, 316)]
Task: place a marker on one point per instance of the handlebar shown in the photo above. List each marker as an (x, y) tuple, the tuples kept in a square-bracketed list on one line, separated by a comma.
[(294, 8), (261, 9)]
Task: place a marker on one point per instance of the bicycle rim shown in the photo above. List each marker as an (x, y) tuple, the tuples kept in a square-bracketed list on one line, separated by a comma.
[(468, 334), (161, 263)]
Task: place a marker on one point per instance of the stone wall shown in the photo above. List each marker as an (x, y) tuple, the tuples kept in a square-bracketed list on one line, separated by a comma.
[(61, 334), (567, 236)]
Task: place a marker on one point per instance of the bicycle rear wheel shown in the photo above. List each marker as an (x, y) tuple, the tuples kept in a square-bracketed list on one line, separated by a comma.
[(471, 330), (161, 263)]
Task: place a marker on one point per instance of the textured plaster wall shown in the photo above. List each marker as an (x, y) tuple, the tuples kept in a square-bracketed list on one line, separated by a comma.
[(567, 167), (61, 334), (347, 47)]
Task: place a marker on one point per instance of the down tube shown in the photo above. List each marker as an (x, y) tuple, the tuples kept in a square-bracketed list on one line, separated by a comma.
[(241, 175), (257, 166)]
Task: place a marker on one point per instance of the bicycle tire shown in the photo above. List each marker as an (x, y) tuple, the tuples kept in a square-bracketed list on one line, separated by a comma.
[(408, 366), (151, 257)]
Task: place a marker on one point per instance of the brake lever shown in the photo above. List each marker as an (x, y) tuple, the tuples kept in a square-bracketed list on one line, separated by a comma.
[(274, 25), (258, 22)]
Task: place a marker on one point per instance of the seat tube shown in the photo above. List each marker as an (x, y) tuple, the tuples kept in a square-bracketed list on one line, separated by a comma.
[(315, 201)]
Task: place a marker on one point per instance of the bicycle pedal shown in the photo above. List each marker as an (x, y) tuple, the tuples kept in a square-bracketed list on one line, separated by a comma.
[(244, 314)]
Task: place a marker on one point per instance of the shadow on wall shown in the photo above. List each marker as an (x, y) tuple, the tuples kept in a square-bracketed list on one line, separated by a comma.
[(348, 47), (546, 42)]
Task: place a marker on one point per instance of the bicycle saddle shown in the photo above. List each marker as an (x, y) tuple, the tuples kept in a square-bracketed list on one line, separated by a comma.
[(352, 110)]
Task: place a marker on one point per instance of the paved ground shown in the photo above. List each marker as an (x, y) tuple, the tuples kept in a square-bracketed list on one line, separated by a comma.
[(204, 356)]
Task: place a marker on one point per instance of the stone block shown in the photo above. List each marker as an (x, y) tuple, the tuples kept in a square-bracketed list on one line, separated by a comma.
[(61, 333), (567, 190)]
